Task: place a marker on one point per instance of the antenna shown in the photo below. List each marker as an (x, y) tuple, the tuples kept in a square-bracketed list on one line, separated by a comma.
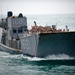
[(1, 13), (56, 25), (7, 8)]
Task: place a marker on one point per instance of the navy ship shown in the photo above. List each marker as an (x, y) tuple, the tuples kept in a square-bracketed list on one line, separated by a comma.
[(38, 42)]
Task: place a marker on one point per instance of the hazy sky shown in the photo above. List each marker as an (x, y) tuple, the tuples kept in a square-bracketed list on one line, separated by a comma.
[(38, 6)]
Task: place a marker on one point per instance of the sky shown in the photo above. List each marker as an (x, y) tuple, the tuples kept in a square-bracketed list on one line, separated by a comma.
[(38, 6)]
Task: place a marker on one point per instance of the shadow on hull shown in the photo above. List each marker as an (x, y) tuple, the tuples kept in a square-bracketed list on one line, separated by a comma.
[(56, 43)]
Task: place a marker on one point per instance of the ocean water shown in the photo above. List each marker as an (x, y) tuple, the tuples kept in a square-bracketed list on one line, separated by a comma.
[(60, 20), (61, 64), (20, 64)]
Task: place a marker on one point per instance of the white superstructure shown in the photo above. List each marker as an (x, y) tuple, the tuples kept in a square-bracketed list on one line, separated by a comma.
[(1, 34), (16, 26)]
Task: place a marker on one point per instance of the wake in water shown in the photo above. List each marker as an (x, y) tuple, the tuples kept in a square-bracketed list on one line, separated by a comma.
[(20, 64), (50, 57)]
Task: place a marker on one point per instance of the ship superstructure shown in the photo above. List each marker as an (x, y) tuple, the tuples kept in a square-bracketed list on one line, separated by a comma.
[(16, 26), (39, 41)]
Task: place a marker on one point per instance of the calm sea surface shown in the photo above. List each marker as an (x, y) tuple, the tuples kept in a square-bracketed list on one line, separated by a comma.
[(19, 64), (48, 20)]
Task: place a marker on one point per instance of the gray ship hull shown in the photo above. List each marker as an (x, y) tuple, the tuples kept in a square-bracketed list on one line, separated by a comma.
[(45, 44), (56, 43), (10, 50)]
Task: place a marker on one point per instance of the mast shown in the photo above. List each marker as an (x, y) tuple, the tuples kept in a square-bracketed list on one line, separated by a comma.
[(1, 13)]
